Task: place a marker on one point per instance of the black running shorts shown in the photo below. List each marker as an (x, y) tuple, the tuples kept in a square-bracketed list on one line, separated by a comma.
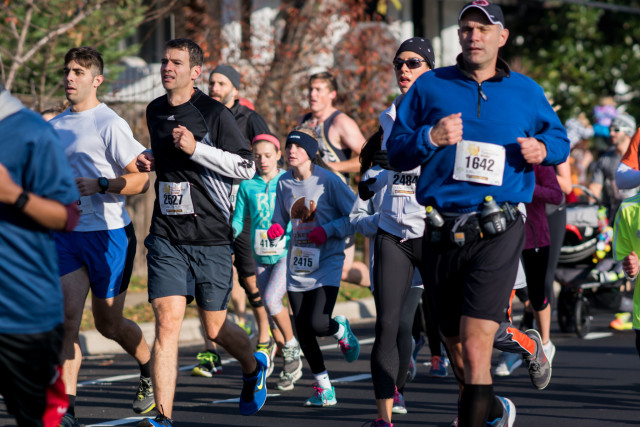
[(28, 364), (201, 272), (474, 280)]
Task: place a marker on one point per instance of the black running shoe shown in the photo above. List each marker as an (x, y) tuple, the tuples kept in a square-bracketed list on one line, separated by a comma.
[(144, 400), (69, 421)]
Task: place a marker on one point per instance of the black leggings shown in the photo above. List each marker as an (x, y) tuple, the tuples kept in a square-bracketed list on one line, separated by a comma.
[(557, 225), (638, 341), (425, 321), (393, 270), (535, 262), (405, 337), (312, 317)]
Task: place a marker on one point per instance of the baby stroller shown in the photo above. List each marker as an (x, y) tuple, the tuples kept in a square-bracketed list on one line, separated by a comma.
[(586, 270)]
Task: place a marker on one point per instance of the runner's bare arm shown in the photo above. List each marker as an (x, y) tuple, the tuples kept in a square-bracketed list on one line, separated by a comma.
[(132, 182), (350, 137), (563, 172), (46, 212)]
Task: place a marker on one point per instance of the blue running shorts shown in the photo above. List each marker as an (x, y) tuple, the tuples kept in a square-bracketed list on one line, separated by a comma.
[(107, 254)]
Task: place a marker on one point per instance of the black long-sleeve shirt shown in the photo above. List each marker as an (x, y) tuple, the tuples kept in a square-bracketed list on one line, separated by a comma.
[(222, 154)]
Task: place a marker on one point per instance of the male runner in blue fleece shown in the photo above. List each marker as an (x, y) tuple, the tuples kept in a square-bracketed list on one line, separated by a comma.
[(476, 129)]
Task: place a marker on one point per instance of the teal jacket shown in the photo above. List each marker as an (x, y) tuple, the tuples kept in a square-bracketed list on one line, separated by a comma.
[(258, 197)]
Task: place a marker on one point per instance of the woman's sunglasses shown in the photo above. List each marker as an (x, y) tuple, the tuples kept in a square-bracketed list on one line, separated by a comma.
[(412, 63)]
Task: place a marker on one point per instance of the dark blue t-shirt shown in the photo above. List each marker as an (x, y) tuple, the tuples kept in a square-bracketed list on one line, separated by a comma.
[(30, 293)]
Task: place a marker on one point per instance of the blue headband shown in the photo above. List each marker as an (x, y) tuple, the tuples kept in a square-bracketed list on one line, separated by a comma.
[(306, 142)]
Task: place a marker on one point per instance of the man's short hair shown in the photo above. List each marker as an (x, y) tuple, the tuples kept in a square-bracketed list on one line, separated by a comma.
[(325, 77), (86, 57), (196, 55)]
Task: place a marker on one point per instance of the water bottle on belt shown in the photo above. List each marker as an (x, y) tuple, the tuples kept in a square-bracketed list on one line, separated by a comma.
[(435, 223), (434, 217), (492, 217)]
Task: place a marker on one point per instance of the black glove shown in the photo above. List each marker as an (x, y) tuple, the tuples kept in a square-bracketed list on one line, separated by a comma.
[(363, 189), (380, 158)]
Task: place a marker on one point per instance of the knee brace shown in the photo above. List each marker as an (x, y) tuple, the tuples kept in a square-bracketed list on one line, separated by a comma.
[(255, 300)]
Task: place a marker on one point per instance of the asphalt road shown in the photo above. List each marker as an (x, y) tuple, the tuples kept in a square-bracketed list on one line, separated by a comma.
[(596, 382)]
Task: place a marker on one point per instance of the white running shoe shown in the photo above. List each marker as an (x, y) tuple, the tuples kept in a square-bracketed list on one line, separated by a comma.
[(549, 351)]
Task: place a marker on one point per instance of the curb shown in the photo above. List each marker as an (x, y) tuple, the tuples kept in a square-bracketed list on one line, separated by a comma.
[(92, 342)]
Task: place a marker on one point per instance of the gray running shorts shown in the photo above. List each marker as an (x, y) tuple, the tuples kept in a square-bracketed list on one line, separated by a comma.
[(201, 272)]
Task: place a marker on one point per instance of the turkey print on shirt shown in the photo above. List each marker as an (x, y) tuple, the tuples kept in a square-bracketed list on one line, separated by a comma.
[(303, 220)]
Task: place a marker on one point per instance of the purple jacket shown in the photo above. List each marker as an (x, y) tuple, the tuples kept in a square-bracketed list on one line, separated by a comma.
[(547, 190)]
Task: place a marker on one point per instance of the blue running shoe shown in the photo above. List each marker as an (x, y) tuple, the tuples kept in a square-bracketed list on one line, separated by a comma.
[(508, 414), (348, 343), (254, 389), (159, 421), (438, 368)]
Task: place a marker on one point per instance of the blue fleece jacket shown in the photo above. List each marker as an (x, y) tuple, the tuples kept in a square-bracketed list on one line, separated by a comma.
[(497, 111)]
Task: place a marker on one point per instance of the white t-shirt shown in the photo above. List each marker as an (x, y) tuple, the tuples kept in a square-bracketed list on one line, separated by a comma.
[(98, 142)]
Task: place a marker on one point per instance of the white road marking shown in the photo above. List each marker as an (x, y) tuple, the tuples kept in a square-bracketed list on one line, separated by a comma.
[(597, 335), (109, 379), (130, 376), (237, 399), (351, 378), (118, 422), (190, 367)]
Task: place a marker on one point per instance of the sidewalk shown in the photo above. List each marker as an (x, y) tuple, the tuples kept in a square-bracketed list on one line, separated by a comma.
[(92, 342)]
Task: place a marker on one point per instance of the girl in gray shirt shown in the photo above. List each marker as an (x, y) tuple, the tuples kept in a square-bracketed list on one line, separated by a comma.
[(317, 203)]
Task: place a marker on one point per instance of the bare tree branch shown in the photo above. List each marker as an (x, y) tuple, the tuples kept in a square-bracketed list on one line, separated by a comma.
[(19, 59)]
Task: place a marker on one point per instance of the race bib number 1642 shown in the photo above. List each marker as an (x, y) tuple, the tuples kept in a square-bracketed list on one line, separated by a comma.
[(479, 162)]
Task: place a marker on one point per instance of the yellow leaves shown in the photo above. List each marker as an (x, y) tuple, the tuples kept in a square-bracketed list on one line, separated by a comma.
[(381, 8)]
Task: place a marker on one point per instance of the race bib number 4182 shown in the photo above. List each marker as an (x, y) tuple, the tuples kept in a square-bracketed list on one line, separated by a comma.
[(479, 162)]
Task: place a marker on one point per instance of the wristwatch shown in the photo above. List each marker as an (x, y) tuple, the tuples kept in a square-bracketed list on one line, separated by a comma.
[(22, 200), (104, 184)]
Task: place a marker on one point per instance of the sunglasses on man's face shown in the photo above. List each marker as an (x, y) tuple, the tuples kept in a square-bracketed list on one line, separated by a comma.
[(412, 63), (616, 129)]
